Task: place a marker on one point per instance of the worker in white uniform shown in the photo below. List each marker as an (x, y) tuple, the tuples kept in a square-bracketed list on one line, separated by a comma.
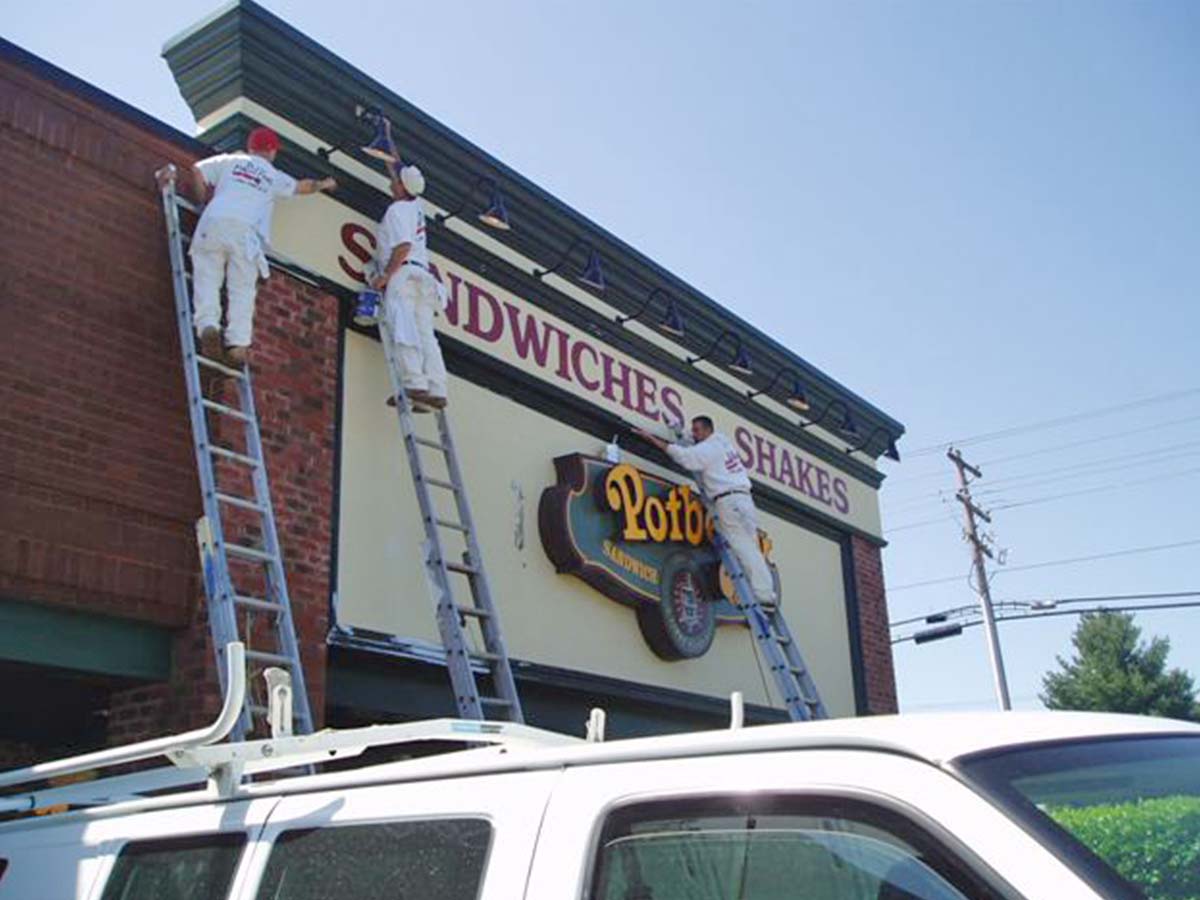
[(718, 468), (228, 244), (413, 295)]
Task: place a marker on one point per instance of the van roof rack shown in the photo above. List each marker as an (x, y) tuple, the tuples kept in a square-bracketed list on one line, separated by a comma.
[(197, 757)]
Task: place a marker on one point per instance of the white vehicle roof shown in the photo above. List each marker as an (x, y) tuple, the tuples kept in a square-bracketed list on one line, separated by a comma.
[(935, 738)]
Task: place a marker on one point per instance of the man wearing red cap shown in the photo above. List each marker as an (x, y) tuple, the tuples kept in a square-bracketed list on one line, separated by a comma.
[(228, 242)]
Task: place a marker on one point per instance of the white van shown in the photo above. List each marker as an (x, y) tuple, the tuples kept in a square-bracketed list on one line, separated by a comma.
[(1005, 805)]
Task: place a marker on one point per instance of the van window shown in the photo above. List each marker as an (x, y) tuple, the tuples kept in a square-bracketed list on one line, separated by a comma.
[(199, 867), (440, 859), (773, 848)]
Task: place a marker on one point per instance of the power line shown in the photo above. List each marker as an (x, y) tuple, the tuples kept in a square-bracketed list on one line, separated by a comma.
[(1066, 612), (1112, 486), (1079, 469), (1055, 601), (1053, 423), (1054, 562)]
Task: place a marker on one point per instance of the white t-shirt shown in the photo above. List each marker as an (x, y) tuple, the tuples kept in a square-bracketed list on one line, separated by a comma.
[(715, 462), (403, 223), (246, 186)]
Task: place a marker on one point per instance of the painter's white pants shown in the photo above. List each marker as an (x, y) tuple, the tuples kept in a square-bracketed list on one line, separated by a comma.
[(412, 304), (738, 521), (225, 250)]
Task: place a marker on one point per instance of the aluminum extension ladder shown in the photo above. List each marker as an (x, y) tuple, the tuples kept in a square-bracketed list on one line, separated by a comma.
[(771, 635), (262, 606), (462, 659)]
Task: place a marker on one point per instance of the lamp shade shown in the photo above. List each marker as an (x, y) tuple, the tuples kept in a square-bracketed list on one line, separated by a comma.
[(741, 361), (798, 399), (592, 274), (672, 320), (496, 214), (381, 146)]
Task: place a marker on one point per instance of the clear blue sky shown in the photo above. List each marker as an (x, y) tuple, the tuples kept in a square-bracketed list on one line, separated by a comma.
[(977, 215)]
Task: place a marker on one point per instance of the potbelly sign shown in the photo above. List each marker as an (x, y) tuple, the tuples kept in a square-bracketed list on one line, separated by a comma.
[(643, 541)]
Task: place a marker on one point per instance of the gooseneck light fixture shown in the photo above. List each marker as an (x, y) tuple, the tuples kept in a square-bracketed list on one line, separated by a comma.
[(741, 359), (495, 214), (672, 320), (592, 273), (797, 398), (847, 424), (891, 451), (380, 146)]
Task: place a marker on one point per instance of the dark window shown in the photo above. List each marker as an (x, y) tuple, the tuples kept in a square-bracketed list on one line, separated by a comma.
[(1125, 813), (440, 859), (774, 848), (190, 868)]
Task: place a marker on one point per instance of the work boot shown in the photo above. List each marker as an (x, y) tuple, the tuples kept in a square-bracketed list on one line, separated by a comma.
[(210, 343), (436, 402), (235, 357), (417, 406)]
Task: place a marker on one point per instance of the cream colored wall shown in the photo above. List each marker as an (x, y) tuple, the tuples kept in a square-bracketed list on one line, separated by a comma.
[(507, 451)]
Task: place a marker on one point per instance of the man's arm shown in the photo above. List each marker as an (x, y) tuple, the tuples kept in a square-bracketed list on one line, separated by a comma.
[(395, 261), (313, 185), (691, 458), (199, 185)]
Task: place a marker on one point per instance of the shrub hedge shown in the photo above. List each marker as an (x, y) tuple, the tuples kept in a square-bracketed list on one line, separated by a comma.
[(1154, 843)]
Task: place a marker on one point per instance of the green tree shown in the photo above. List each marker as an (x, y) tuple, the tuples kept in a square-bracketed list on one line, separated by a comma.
[(1113, 670)]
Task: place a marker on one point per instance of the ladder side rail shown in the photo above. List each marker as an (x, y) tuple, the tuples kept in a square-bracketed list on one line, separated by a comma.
[(797, 689), (222, 617), (462, 679), (283, 622), (808, 686), (481, 592), (760, 628)]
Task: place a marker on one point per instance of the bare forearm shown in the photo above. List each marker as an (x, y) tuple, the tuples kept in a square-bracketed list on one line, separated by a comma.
[(399, 255), (313, 185), (199, 185)]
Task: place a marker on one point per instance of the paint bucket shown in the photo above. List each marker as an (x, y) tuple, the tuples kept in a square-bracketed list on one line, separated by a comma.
[(366, 309)]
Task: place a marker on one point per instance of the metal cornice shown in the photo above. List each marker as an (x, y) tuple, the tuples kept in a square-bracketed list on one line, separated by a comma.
[(243, 50)]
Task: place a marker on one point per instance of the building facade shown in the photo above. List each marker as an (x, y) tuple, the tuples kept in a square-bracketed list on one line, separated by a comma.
[(604, 579)]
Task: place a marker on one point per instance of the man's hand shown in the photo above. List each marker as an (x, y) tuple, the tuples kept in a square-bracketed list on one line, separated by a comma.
[(379, 282), (327, 184), (652, 438)]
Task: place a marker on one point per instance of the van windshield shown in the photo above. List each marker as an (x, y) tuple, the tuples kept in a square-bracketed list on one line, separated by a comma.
[(1125, 813)]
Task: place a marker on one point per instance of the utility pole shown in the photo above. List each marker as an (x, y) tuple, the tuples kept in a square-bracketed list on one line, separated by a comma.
[(978, 551)]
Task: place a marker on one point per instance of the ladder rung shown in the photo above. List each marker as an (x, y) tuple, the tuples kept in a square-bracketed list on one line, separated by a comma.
[(472, 611), (780, 639), (249, 553), (485, 656), (219, 366), (223, 409), (437, 482), (462, 568), (233, 455), (494, 701), (257, 603), (457, 526), (240, 502), (797, 671), (257, 710), (426, 442), (263, 656)]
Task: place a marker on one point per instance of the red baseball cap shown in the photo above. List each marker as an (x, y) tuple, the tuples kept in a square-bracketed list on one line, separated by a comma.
[(262, 140)]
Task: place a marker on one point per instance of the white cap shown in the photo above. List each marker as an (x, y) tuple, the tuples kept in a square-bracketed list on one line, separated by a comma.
[(413, 180)]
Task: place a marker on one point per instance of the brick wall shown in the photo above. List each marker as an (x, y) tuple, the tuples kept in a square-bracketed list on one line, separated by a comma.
[(98, 489), (873, 627)]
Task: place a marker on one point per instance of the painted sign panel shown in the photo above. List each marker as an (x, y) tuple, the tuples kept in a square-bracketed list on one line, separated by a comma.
[(336, 241), (643, 541)]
